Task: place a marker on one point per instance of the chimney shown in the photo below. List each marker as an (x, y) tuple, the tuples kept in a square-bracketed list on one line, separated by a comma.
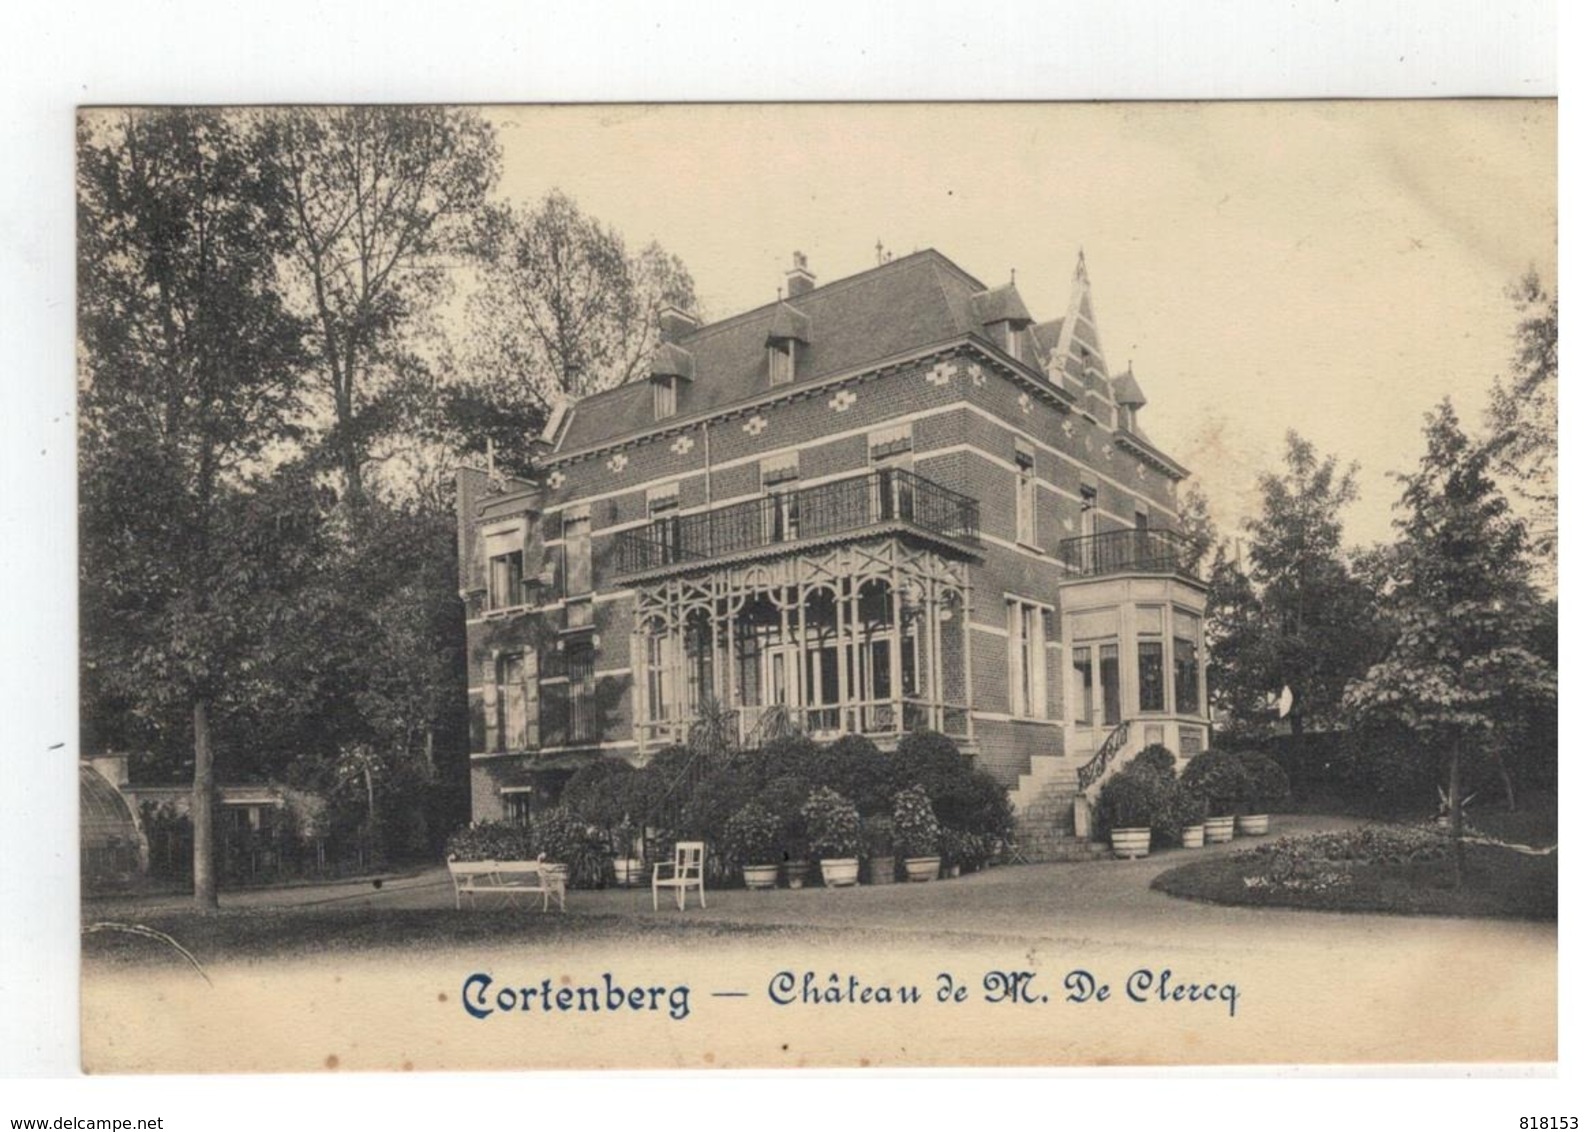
[(800, 279), (674, 323)]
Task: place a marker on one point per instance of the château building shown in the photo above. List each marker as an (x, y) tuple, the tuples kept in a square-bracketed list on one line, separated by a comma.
[(890, 502)]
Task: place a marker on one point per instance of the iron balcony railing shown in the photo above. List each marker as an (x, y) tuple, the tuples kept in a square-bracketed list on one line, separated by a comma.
[(867, 500), (1129, 552)]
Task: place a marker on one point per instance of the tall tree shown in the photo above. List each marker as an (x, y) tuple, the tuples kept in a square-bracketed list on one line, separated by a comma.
[(189, 367), (383, 200), (1196, 523), (1465, 613), (1523, 416), (1317, 618), (564, 310)]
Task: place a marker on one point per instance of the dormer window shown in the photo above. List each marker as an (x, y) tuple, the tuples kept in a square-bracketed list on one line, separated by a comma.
[(780, 362), (789, 327), (670, 365), (664, 397)]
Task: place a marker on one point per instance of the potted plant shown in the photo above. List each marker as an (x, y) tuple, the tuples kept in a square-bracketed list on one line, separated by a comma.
[(784, 797), (1127, 806), (749, 840), (958, 849), (1190, 811), (1269, 789), (877, 832), (1221, 778), (833, 825), (916, 831)]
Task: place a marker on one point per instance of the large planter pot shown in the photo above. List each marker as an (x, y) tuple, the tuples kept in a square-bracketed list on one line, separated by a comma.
[(794, 873), (879, 870), (1251, 825), (1130, 843), (840, 872), (1220, 830), (921, 869), (628, 871), (760, 876), (1193, 837)]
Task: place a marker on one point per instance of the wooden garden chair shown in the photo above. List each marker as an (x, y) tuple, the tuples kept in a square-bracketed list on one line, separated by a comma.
[(686, 870)]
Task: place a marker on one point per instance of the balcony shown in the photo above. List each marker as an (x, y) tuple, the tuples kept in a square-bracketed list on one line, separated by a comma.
[(882, 500), (1129, 552)]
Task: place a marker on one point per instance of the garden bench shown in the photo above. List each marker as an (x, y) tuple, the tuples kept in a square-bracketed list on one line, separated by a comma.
[(509, 879)]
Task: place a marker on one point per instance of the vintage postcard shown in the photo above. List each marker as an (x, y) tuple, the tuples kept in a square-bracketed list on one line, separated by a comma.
[(772, 586)]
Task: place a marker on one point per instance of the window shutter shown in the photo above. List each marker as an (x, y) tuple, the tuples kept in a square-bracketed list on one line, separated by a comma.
[(532, 697), (493, 721), (1012, 623), (1039, 664)]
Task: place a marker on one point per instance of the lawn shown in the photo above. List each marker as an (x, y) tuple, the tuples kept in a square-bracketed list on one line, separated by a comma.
[(1405, 869)]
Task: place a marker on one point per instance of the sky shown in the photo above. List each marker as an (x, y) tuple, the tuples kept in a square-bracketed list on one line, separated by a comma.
[(1330, 267)]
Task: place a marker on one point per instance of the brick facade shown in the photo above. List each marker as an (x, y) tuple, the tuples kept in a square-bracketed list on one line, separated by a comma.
[(973, 415)]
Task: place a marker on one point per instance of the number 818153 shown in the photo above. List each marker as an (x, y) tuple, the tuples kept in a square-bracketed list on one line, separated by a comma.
[(1548, 1124)]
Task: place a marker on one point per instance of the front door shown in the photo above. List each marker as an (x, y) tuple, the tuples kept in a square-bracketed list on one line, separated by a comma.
[(1094, 692)]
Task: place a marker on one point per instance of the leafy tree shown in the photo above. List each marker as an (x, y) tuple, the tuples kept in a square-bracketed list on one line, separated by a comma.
[(382, 201), (1463, 660), (564, 309), (1523, 416), (189, 369), (1240, 663), (1196, 523), (1317, 623)]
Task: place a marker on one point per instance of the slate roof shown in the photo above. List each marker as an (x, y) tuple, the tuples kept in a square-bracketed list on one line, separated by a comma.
[(1048, 335), (907, 304), (1002, 305), (1127, 390)]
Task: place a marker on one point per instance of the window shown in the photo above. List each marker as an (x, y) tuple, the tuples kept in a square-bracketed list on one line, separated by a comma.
[(780, 362), (1187, 668), (507, 579), (1149, 658), (662, 503), (576, 554), (1088, 511), (1108, 677), (504, 551), (780, 480), (1028, 695), (1025, 497), (892, 457), (658, 675), (1149, 661), (583, 723), (664, 397), (1081, 666), (515, 698)]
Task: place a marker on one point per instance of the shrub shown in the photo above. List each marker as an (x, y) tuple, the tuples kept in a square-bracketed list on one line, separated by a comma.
[(916, 828), (606, 794), (493, 841), (1270, 785), (853, 766), (1185, 808), (967, 850), (750, 836), (1154, 759), (963, 795), (566, 840), (1221, 778), (784, 798), (1131, 801), (833, 824)]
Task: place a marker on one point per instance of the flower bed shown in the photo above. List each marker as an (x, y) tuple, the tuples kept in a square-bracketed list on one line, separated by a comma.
[(1375, 868)]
